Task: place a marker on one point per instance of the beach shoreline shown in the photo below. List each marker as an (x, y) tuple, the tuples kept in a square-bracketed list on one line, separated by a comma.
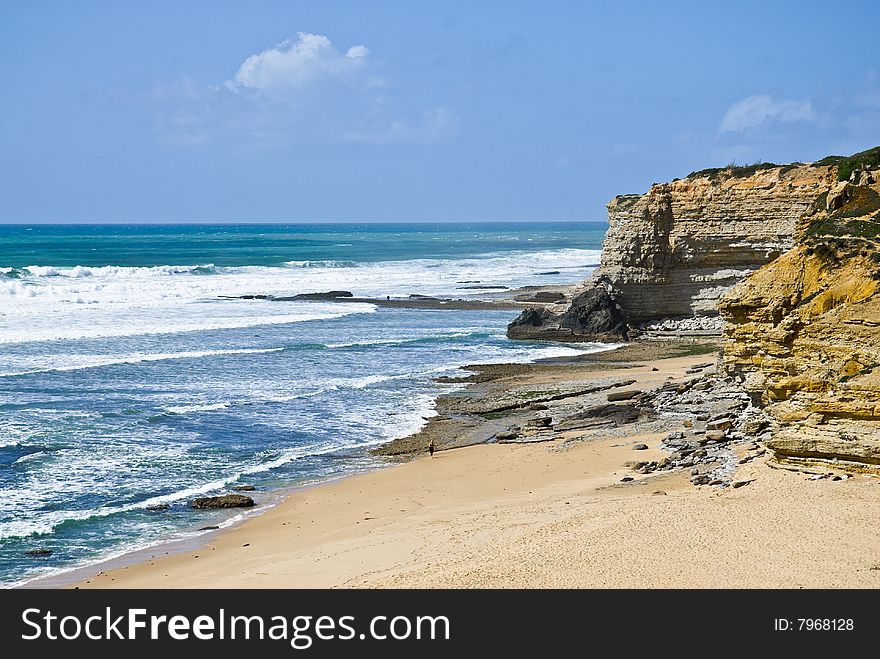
[(193, 538), (68, 577), (573, 511)]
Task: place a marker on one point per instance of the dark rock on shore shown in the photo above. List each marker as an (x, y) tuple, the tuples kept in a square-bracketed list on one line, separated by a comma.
[(547, 297), (592, 316), (595, 313), (623, 395), (599, 415), (223, 501), (501, 408), (530, 324)]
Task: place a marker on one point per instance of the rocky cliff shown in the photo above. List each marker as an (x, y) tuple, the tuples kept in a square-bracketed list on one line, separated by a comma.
[(803, 333), (672, 252), (790, 258)]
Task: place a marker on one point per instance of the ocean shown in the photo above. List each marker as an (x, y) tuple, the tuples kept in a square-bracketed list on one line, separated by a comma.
[(130, 382)]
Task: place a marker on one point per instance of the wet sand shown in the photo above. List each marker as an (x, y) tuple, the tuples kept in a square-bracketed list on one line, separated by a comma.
[(546, 514)]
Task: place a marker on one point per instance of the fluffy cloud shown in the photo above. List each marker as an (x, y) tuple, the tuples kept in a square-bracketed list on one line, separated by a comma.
[(301, 92), (755, 111), (297, 62)]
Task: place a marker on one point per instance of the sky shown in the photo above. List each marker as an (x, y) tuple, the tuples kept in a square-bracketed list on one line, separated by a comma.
[(412, 111)]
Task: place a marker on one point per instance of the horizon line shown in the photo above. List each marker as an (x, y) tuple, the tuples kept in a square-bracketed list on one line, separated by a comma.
[(279, 222)]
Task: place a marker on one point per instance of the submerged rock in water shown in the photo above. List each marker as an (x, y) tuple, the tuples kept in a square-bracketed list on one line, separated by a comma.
[(243, 488), (328, 295), (38, 553), (223, 501)]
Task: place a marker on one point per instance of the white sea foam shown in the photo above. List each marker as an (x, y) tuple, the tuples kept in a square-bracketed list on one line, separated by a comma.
[(49, 303), (78, 362), (56, 303), (45, 523), (29, 457), (375, 342), (117, 272), (96, 322), (186, 409)]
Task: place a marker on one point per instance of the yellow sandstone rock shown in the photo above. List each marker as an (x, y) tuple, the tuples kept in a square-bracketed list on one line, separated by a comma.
[(803, 332)]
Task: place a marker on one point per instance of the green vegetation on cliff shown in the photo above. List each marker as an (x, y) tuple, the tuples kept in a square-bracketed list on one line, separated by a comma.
[(738, 171), (846, 165), (858, 217)]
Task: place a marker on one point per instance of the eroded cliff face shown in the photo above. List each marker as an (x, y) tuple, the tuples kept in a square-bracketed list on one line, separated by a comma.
[(803, 333), (676, 249), (672, 252)]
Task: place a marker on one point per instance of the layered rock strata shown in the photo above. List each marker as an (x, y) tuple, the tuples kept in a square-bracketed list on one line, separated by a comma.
[(673, 251), (803, 333)]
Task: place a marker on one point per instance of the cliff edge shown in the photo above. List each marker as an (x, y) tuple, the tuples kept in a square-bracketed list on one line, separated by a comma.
[(671, 253), (802, 334), (789, 256)]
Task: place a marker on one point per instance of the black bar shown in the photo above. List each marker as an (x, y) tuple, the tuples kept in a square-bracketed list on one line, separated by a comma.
[(508, 621)]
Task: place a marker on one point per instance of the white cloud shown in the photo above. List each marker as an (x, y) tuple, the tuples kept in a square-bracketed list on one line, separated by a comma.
[(302, 91), (297, 62), (435, 125), (755, 111), (356, 52)]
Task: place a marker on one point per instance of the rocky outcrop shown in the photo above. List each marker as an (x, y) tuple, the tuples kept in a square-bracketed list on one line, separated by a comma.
[(790, 258), (223, 501), (672, 252), (675, 250), (329, 295), (802, 334), (593, 313)]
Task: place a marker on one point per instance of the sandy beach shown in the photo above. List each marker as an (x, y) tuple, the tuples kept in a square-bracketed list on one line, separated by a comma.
[(546, 514)]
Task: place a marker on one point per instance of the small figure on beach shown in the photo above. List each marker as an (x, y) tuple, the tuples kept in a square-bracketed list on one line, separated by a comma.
[(431, 448)]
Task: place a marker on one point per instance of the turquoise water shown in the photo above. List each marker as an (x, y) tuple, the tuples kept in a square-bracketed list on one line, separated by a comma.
[(131, 380), (268, 245)]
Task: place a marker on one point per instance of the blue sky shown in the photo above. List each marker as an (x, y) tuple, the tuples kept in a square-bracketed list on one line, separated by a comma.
[(412, 111)]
